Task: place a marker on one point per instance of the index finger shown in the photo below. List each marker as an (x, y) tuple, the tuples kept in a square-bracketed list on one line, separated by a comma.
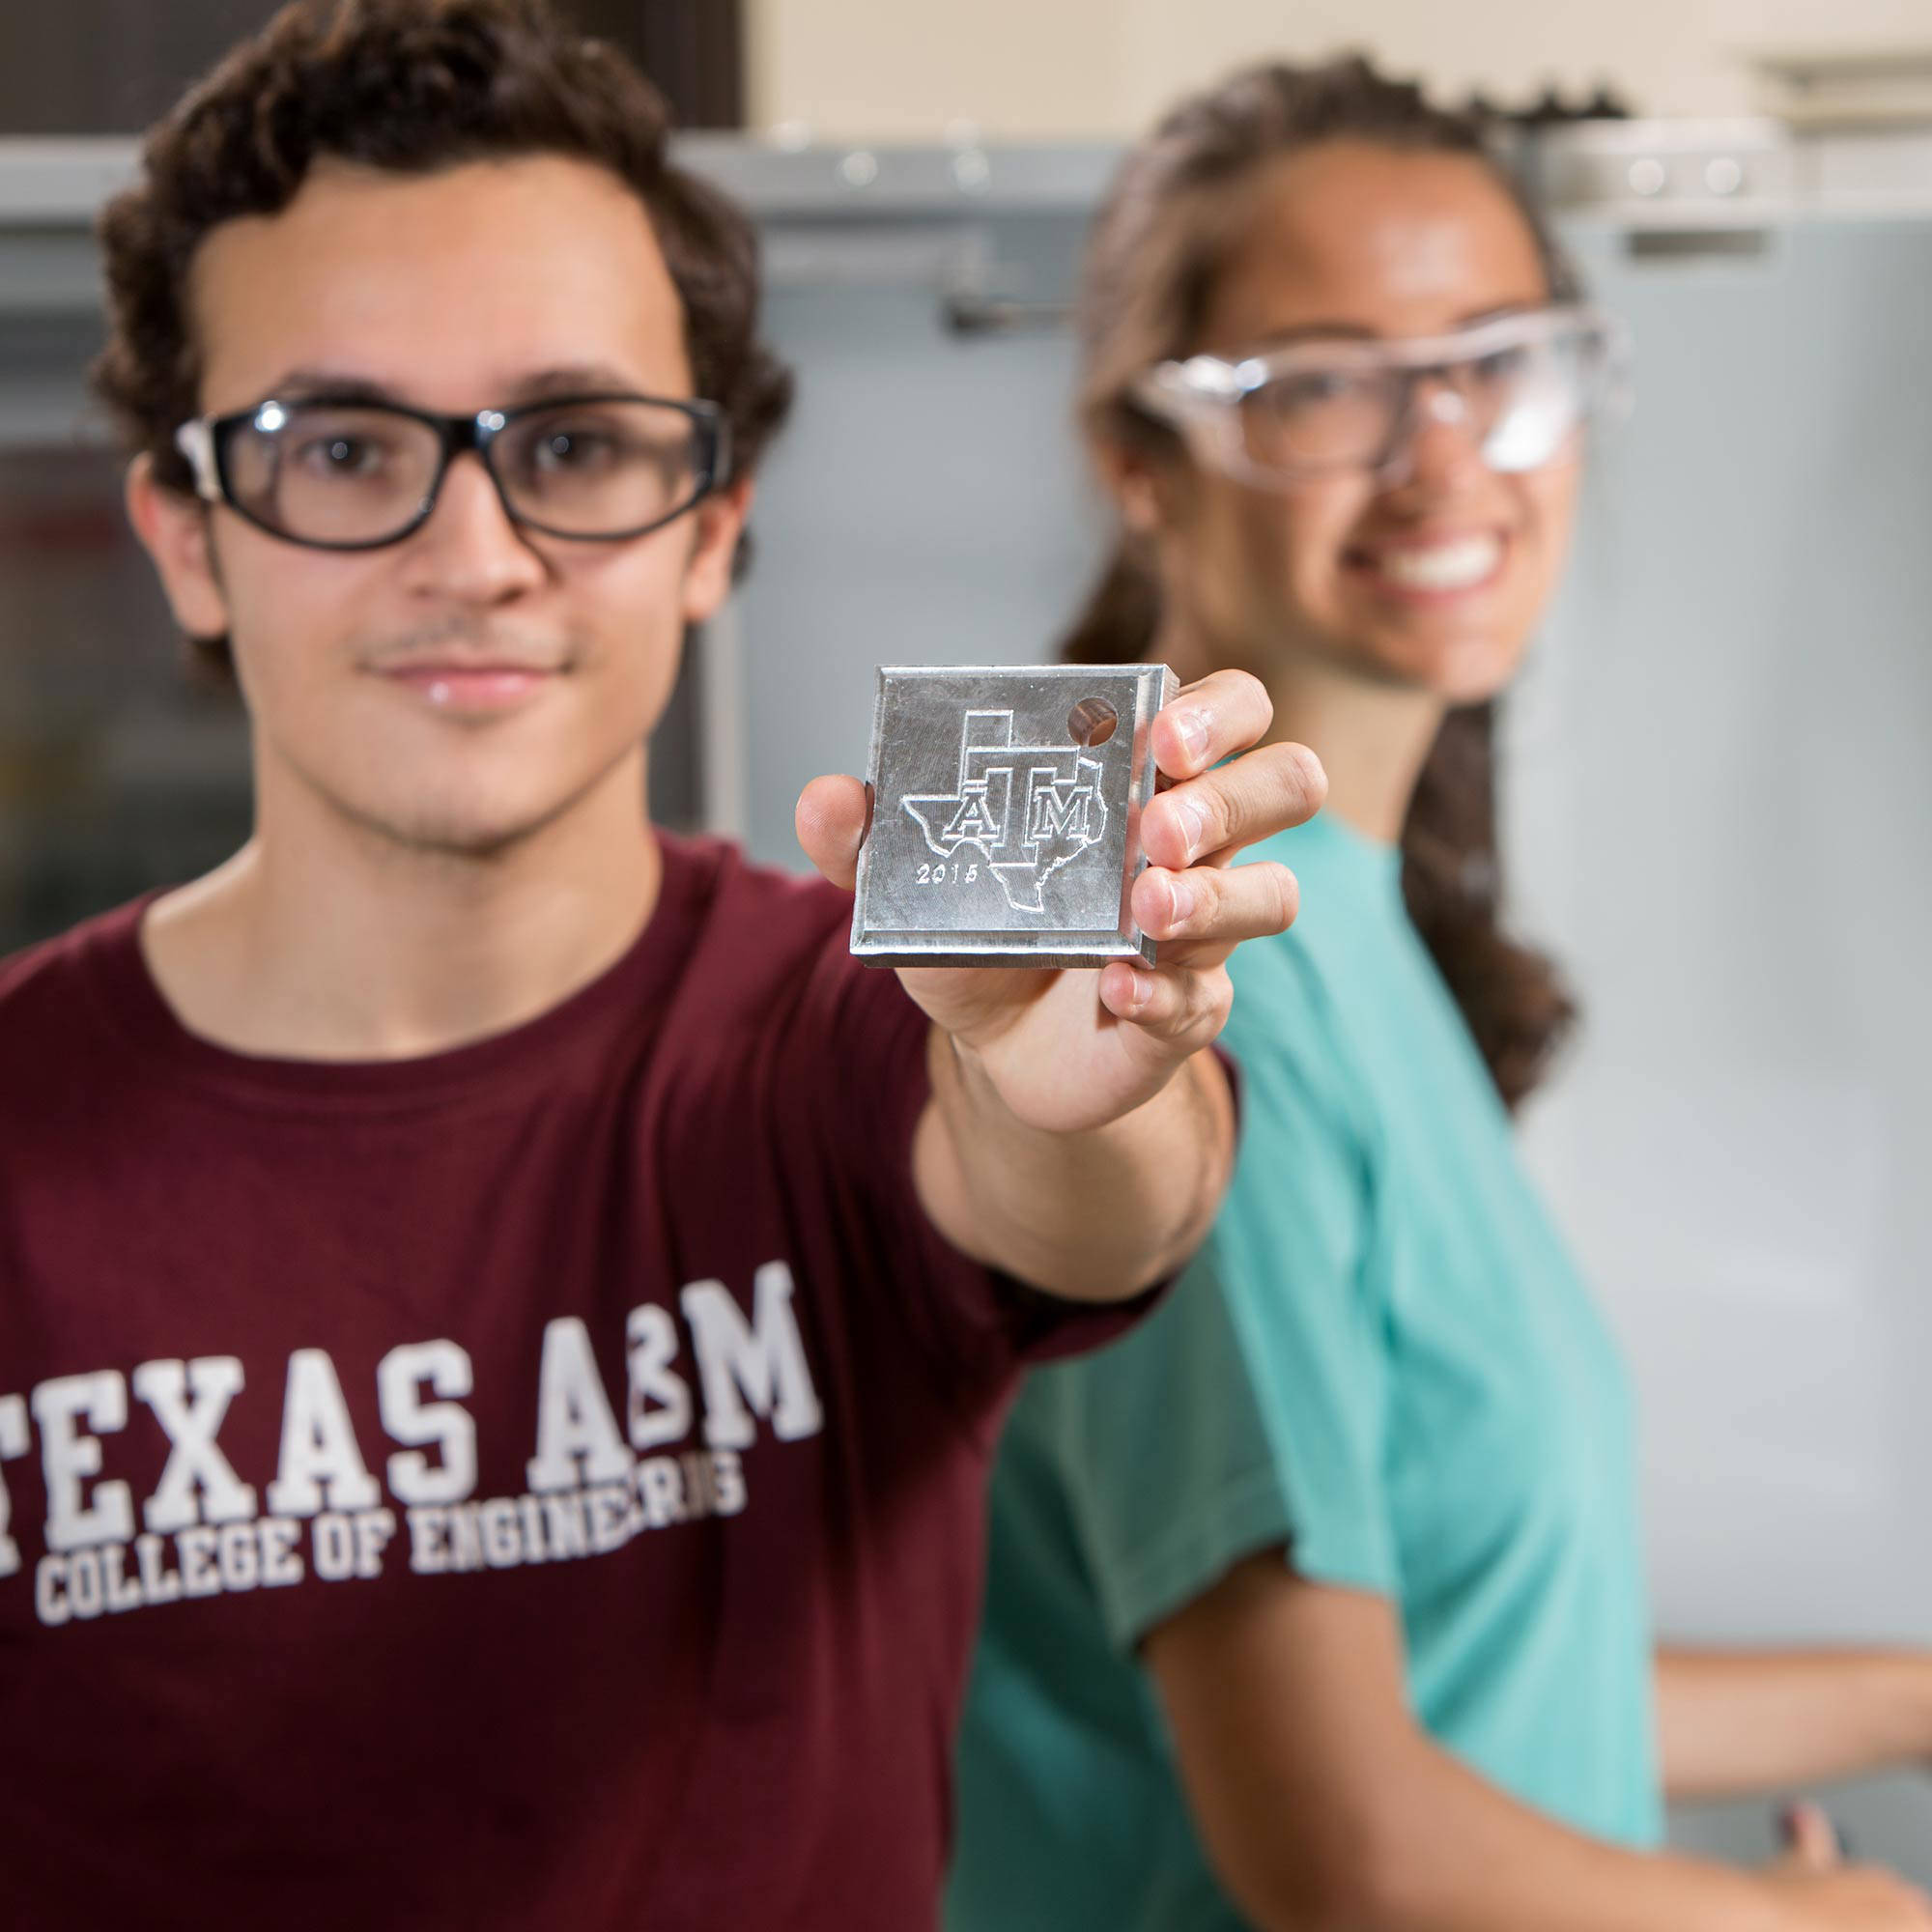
[(1206, 820), (1222, 713)]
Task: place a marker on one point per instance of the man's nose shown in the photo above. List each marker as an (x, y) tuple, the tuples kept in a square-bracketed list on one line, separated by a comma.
[(469, 550)]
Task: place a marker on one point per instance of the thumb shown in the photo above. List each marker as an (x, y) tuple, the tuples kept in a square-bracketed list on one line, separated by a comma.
[(832, 819), (1812, 1840)]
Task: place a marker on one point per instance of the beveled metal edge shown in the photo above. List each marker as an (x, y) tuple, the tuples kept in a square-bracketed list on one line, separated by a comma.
[(1056, 961), (1154, 690), (857, 942)]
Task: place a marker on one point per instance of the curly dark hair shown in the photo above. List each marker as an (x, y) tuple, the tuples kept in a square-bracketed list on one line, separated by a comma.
[(411, 86), (1170, 217)]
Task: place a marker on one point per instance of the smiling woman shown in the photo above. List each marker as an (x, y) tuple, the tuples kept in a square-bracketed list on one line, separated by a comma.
[(1359, 1636)]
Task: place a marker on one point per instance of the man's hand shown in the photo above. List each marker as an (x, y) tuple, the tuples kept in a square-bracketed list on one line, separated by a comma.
[(1068, 1051)]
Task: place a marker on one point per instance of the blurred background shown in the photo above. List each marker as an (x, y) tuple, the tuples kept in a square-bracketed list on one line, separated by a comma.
[(1716, 782)]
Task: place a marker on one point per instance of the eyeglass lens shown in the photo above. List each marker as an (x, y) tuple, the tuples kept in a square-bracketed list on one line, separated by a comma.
[(1521, 399), (349, 474)]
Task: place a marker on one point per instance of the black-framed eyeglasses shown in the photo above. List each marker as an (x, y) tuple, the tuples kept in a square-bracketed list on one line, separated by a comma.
[(337, 472)]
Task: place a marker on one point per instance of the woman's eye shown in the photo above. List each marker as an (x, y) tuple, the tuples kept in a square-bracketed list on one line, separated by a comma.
[(1504, 365), (1306, 392)]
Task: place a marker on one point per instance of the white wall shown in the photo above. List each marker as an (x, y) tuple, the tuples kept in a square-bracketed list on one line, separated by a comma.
[(1031, 70)]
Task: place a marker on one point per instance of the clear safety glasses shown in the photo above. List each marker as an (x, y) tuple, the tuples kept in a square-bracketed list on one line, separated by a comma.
[(1522, 384), (339, 474)]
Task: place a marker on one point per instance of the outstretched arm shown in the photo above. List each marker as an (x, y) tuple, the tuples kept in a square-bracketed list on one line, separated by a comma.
[(1733, 1722), (1079, 1135), (1320, 1804)]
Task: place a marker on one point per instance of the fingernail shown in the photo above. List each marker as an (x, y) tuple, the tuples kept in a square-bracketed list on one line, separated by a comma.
[(1193, 827), (1180, 902), (1193, 729)]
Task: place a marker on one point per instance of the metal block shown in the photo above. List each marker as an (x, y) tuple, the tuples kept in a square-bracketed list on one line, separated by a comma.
[(1006, 814)]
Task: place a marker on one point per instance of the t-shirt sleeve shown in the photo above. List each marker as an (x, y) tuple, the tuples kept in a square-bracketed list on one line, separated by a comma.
[(1250, 1409), (862, 1047)]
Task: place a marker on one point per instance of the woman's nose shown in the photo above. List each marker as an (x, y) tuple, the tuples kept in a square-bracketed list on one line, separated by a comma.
[(1442, 442)]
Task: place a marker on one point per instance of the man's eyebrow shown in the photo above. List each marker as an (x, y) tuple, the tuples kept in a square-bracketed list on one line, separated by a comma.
[(577, 378), (295, 386)]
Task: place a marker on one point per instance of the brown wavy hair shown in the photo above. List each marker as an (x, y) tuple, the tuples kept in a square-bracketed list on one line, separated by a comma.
[(1172, 217), (410, 86)]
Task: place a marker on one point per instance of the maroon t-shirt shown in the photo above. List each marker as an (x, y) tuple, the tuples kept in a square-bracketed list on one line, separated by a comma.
[(534, 1486)]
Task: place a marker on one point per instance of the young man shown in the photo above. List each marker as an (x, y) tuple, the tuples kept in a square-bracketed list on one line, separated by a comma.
[(502, 1319)]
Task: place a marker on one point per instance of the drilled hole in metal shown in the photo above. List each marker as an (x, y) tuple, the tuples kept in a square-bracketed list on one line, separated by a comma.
[(1092, 721)]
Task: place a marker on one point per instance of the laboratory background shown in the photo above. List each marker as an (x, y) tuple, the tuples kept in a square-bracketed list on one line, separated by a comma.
[(1717, 777)]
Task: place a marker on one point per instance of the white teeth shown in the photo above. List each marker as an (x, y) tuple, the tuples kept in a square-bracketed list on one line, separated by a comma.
[(1449, 566)]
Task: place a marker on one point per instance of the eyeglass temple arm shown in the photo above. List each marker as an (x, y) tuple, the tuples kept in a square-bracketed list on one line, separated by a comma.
[(195, 440)]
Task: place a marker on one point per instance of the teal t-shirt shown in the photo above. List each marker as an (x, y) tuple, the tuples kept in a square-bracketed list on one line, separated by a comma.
[(1383, 1358)]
